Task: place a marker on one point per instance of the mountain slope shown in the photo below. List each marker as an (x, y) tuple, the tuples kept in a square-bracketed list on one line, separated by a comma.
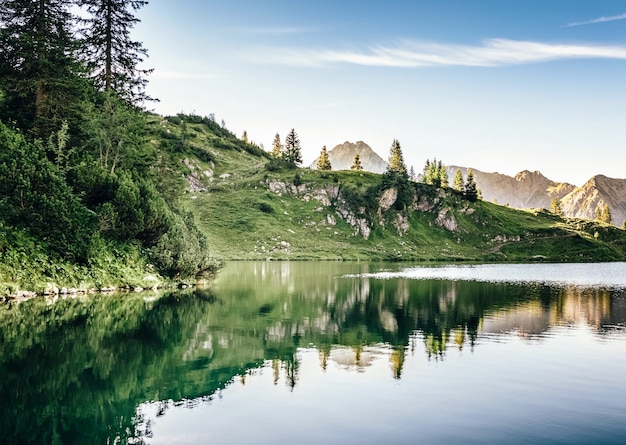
[(342, 156), (525, 190), (598, 191)]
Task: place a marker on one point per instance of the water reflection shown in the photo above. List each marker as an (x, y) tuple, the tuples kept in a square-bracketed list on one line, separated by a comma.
[(75, 371)]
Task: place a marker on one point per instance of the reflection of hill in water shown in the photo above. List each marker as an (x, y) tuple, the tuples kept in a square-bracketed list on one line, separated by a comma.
[(75, 371)]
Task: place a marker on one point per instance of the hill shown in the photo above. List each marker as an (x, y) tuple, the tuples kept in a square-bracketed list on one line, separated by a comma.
[(202, 194), (342, 156), (252, 207)]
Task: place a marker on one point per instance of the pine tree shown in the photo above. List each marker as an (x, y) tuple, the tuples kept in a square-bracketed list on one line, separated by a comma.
[(470, 191), (412, 175), (480, 194), (624, 224), (457, 182), (555, 206), (293, 151), (606, 215), (356, 163), (396, 160), (277, 148), (443, 175), (435, 174), (323, 163), (244, 137), (599, 213), (111, 56), (38, 73)]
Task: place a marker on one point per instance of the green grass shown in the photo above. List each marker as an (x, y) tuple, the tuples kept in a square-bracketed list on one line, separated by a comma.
[(244, 219)]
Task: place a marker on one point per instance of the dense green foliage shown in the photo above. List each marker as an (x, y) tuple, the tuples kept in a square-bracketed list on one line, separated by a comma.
[(81, 187)]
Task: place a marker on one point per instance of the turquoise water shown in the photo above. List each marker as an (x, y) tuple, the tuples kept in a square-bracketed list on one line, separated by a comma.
[(327, 353)]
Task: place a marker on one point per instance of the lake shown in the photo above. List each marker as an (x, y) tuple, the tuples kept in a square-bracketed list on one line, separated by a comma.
[(323, 352)]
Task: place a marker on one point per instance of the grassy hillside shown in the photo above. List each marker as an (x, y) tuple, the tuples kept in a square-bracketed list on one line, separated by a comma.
[(250, 207)]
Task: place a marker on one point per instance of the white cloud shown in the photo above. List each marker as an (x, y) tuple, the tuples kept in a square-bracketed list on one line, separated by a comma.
[(407, 54), (598, 20)]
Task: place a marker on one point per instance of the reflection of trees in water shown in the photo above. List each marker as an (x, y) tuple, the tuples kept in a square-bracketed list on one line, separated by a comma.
[(76, 370)]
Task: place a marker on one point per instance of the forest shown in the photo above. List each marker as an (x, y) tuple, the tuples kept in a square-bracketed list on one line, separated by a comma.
[(81, 200)]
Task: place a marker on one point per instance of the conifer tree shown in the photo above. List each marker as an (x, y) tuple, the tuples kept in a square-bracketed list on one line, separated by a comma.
[(323, 163), (244, 137), (624, 224), (443, 175), (38, 73), (457, 182), (555, 206), (470, 191), (396, 160), (606, 215), (111, 56), (356, 163), (435, 174), (277, 147), (480, 194), (412, 175), (293, 151)]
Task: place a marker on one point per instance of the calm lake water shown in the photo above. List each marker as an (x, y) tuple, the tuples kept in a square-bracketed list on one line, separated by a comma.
[(346, 353)]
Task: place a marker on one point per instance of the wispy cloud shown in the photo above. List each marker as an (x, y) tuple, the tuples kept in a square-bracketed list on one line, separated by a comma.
[(407, 54), (598, 20)]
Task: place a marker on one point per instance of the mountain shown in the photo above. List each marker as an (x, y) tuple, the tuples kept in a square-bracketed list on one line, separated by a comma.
[(533, 190), (342, 156), (598, 191), (524, 190)]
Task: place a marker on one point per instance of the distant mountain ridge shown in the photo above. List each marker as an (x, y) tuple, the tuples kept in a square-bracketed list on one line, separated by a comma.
[(342, 156), (533, 190)]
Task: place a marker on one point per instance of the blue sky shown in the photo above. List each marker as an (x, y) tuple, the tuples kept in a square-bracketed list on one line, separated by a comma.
[(496, 85)]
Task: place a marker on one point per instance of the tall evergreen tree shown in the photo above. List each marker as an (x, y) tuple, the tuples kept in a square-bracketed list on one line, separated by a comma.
[(356, 163), (443, 175), (457, 182), (244, 137), (555, 206), (470, 191), (293, 151), (412, 175), (435, 173), (323, 163), (112, 57), (277, 147), (38, 72), (396, 160), (606, 214)]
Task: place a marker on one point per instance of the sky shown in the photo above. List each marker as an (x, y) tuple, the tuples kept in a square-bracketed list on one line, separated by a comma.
[(497, 85)]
